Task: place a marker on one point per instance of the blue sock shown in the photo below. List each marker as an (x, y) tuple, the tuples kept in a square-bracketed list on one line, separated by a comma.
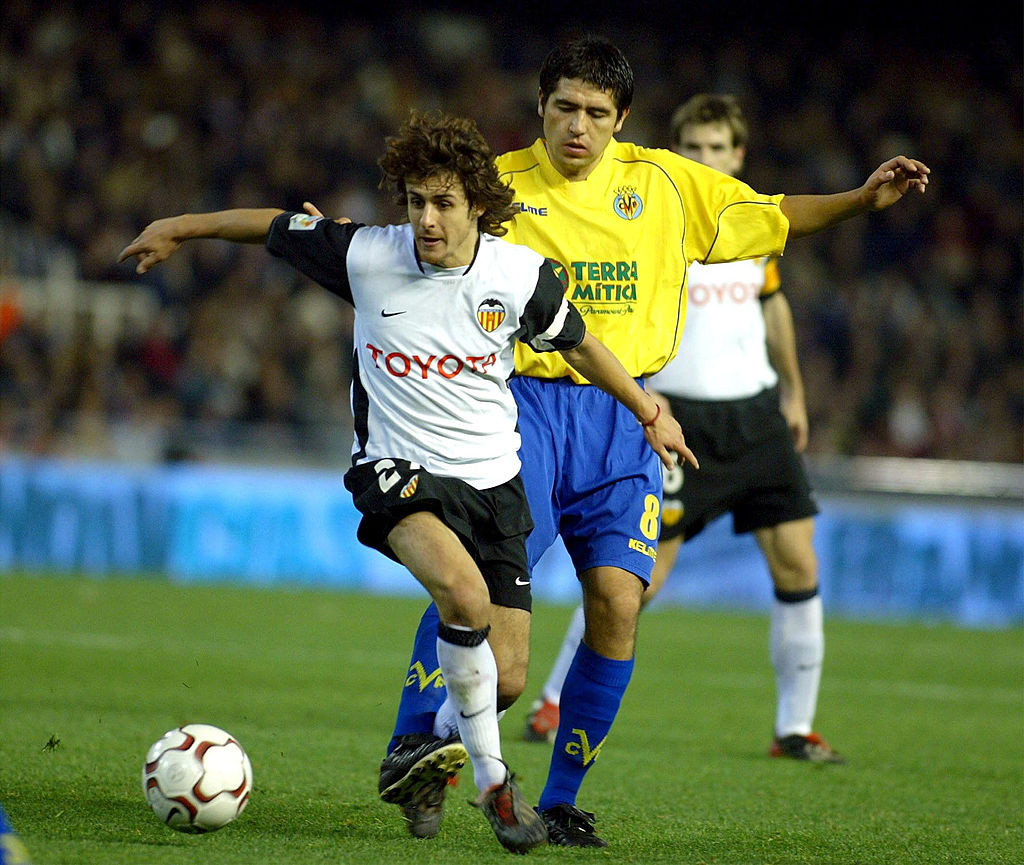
[(424, 690), (590, 701)]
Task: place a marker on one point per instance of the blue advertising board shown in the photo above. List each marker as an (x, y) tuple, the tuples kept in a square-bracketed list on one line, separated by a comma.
[(951, 561)]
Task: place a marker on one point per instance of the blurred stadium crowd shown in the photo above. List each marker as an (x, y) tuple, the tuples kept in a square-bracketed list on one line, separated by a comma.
[(909, 321)]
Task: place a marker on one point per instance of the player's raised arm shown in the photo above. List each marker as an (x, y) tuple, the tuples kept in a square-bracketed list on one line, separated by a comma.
[(160, 239), (887, 184), (592, 359)]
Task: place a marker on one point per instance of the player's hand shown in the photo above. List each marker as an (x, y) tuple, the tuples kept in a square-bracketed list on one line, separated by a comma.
[(795, 413), (313, 210), (159, 240), (665, 436), (893, 179)]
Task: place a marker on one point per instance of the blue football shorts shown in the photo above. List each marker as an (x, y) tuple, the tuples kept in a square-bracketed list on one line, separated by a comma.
[(589, 474)]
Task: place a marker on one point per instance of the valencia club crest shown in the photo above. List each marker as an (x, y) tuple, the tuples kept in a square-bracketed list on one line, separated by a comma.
[(490, 314)]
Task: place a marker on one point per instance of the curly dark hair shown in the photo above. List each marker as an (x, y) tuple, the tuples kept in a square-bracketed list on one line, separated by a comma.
[(434, 143), (593, 60)]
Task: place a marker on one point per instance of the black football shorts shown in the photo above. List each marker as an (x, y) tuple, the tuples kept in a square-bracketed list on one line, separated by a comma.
[(492, 524), (748, 467)]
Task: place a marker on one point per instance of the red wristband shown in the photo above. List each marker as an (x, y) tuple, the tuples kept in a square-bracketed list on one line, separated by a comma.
[(657, 415)]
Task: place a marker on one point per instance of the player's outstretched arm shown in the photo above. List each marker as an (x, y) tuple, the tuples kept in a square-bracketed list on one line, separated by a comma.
[(161, 239), (887, 184), (594, 361)]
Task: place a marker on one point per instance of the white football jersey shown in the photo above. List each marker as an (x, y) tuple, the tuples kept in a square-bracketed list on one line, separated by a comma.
[(433, 347), (722, 354)]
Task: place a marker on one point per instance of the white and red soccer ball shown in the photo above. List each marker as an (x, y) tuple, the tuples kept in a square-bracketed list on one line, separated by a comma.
[(197, 778)]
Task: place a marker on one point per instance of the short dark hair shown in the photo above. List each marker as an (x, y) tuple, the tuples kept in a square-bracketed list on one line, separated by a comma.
[(433, 143), (706, 108), (595, 61)]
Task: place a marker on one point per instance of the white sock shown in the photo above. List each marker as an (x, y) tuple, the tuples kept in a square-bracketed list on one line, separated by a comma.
[(798, 649), (552, 691), (446, 721), (471, 677)]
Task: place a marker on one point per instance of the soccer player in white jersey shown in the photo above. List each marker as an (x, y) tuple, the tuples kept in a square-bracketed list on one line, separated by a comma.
[(440, 303), (736, 389), (622, 222)]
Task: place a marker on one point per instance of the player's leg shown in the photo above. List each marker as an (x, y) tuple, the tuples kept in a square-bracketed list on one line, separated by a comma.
[(510, 641), (797, 631), (771, 496), (423, 692), (436, 537), (500, 557), (797, 637), (610, 499), (435, 555), (382, 506), (591, 696), (544, 714), (423, 709), (542, 722)]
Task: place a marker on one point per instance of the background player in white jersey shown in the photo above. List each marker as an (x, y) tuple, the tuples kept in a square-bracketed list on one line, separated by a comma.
[(440, 303), (736, 389)]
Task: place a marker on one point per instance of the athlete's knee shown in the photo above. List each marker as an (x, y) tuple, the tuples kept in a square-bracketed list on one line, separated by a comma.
[(512, 670), (611, 605), (462, 601), (789, 552), (612, 593), (622, 609), (795, 574), (794, 568)]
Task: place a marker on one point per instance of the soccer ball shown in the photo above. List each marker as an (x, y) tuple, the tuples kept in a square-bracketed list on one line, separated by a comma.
[(197, 778)]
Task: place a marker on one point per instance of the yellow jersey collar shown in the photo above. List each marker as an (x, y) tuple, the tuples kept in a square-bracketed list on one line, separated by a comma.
[(597, 178)]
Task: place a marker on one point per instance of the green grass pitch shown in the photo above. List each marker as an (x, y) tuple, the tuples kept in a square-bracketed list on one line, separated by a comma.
[(93, 671)]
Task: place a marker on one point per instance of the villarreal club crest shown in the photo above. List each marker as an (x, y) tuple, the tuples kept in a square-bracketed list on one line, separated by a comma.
[(627, 205)]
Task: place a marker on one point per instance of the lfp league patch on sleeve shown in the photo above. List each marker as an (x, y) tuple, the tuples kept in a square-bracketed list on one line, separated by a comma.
[(303, 222)]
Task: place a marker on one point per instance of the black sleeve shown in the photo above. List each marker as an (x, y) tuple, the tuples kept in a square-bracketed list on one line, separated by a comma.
[(315, 247), (550, 322)]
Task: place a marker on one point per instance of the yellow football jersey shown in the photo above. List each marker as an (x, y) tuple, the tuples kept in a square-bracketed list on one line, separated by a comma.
[(621, 240)]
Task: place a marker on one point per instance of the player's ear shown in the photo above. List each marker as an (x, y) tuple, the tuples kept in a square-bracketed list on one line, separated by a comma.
[(540, 102), (622, 119)]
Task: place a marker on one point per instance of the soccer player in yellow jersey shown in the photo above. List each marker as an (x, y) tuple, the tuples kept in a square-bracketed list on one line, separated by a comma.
[(620, 223), (735, 386)]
